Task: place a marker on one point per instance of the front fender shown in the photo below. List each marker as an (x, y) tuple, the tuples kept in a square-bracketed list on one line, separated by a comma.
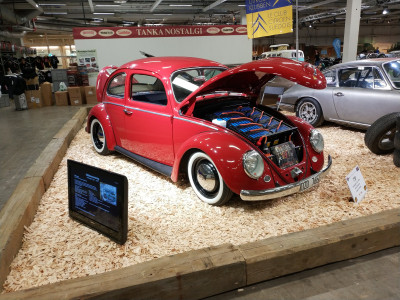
[(99, 112), (226, 150)]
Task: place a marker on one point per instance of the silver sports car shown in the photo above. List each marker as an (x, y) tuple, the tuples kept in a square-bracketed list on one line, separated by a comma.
[(357, 94)]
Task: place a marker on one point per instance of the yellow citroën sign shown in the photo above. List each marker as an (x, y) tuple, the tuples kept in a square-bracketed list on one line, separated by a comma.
[(268, 17)]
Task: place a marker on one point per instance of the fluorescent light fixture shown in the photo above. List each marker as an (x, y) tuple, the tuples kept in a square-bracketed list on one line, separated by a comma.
[(52, 4), (120, 1), (385, 11), (55, 13), (162, 14), (108, 5), (241, 4), (103, 13), (182, 5)]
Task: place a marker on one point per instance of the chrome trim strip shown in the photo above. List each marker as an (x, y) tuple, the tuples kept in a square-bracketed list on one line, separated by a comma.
[(290, 107), (148, 111), (349, 122), (195, 122), (105, 102), (138, 109), (281, 191)]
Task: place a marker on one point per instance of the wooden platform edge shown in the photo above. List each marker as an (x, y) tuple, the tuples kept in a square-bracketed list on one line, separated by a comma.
[(189, 275), (279, 256), (206, 272), (21, 207)]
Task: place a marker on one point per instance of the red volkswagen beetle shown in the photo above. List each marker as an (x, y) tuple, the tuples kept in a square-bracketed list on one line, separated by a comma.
[(182, 115)]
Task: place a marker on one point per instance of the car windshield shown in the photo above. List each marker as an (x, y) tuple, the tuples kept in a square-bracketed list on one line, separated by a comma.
[(392, 70), (184, 82)]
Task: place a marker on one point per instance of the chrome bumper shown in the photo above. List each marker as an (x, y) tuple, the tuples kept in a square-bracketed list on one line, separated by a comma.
[(285, 190)]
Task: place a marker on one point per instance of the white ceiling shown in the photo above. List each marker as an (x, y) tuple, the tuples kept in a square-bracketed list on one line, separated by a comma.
[(60, 16)]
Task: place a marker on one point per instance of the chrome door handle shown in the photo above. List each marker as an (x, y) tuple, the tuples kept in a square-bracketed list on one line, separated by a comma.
[(128, 112), (339, 94)]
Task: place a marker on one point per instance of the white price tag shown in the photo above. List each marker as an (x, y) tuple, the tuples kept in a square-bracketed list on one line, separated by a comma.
[(356, 184)]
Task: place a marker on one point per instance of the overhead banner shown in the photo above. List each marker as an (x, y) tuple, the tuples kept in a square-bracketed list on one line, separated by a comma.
[(268, 17), (156, 31)]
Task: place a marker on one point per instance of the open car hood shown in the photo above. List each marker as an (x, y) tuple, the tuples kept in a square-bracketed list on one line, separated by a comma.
[(250, 77)]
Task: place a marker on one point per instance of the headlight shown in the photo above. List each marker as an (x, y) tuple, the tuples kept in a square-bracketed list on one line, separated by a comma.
[(253, 164), (316, 140)]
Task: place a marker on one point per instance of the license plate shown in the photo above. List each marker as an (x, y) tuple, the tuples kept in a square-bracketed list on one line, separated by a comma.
[(309, 183)]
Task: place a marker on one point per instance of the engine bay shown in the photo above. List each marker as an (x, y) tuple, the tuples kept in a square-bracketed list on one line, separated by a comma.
[(273, 135)]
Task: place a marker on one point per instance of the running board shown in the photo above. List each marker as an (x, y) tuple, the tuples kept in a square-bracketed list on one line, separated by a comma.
[(156, 166)]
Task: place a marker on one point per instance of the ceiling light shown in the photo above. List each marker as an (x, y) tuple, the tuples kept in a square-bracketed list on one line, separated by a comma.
[(55, 13), (103, 13), (241, 4), (120, 1), (108, 5), (52, 4), (385, 11), (162, 14), (183, 5)]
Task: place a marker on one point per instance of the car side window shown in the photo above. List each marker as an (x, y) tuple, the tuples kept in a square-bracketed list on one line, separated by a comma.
[(146, 88), (116, 86), (330, 78), (379, 82), (365, 78), (348, 77)]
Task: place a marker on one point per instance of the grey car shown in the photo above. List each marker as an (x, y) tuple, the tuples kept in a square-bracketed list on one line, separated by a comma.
[(357, 94)]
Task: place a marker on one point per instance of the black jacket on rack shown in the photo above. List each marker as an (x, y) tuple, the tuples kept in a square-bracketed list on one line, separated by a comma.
[(14, 84)]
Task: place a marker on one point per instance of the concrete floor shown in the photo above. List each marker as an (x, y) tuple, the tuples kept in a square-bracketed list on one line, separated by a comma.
[(24, 134)]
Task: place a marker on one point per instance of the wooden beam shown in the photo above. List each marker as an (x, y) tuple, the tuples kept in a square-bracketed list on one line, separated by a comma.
[(307, 249), (190, 275), (17, 213)]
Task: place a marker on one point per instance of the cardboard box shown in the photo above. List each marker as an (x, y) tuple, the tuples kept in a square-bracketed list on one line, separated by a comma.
[(75, 96), (74, 91), (90, 94), (61, 98), (83, 95), (32, 81), (47, 95), (34, 99)]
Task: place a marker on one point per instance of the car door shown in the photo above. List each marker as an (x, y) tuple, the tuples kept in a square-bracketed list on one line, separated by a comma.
[(114, 102), (148, 119), (362, 95)]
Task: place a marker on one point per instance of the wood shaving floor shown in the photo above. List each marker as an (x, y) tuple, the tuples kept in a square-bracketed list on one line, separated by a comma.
[(167, 218)]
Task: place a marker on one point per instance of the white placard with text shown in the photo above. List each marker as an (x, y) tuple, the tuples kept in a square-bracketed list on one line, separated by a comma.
[(357, 185)]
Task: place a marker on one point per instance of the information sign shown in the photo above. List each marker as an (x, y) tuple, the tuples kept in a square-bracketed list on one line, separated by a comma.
[(98, 199), (356, 184)]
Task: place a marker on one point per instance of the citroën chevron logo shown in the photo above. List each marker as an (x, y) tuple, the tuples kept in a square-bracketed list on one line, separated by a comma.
[(259, 23)]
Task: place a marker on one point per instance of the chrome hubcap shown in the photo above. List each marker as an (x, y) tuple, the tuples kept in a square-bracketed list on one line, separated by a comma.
[(308, 112), (206, 176)]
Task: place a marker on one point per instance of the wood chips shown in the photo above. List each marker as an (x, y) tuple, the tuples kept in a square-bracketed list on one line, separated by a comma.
[(167, 218)]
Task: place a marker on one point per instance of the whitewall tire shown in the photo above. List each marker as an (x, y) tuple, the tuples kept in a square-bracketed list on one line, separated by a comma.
[(206, 181), (98, 137)]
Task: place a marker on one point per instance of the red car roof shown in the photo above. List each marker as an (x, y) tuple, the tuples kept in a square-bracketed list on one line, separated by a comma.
[(169, 63)]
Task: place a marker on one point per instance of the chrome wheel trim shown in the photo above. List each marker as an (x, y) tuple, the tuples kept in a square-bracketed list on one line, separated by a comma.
[(206, 176), (308, 112)]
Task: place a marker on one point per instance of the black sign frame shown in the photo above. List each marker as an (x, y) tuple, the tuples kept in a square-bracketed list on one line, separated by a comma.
[(108, 190)]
